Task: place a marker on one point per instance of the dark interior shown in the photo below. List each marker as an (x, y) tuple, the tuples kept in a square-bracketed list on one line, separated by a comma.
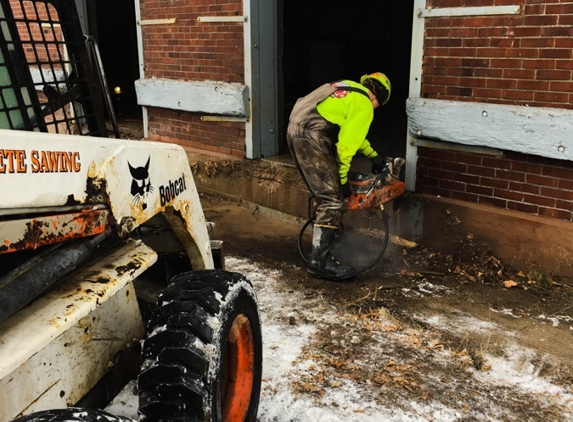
[(325, 41), (319, 41), (116, 35)]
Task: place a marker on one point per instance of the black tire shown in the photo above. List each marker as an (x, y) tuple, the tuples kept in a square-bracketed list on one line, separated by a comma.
[(202, 358), (72, 414)]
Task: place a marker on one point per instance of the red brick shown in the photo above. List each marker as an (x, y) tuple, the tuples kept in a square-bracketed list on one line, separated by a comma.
[(555, 53), (519, 73), (538, 42), (544, 20), (494, 183), (467, 178), (551, 97), (505, 63), (468, 158), (554, 75), (497, 163), (440, 174), (518, 95), (566, 20), (505, 42), (501, 83), (529, 31), (555, 31), (564, 42), (538, 64), (539, 200), (438, 32), (510, 175), (448, 61), (559, 9), (490, 52), (479, 190), (492, 32), (553, 213), (562, 86), (533, 85), (481, 171), (440, 154), (458, 91), (475, 42), (448, 42), (524, 187), (506, 194), (488, 73), (541, 181), (487, 93), (566, 184), (564, 205), (564, 64), (557, 193)]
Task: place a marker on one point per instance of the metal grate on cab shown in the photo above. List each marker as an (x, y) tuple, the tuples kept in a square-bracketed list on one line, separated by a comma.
[(46, 81)]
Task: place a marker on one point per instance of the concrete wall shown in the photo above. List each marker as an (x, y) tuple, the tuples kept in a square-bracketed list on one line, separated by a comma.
[(275, 188)]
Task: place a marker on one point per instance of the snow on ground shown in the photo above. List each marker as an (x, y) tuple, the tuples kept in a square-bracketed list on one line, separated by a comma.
[(291, 321)]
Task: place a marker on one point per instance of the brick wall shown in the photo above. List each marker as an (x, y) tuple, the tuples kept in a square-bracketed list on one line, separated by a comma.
[(41, 36), (188, 130), (524, 60), (518, 182), (195, 51)]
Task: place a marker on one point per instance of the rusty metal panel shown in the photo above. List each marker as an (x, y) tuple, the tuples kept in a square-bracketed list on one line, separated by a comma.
[(32, 233)]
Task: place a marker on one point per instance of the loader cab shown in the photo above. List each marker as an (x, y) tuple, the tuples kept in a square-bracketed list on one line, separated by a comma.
[(45, 71)]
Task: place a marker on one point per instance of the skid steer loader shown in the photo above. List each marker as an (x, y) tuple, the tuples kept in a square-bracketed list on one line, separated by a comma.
[(107, 270)]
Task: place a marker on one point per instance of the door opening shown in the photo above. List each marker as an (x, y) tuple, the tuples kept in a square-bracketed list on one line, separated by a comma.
[(322, 42)]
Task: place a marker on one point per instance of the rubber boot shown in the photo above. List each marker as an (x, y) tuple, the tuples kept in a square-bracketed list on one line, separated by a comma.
[(321, 263)]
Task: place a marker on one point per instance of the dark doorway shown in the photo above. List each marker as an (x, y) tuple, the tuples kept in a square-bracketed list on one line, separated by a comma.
[(116, 36), (324, 42)]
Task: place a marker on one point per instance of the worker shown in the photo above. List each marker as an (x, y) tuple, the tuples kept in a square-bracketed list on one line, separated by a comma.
[(327, 128)]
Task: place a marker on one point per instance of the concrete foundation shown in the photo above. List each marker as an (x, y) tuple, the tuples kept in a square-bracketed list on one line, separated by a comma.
[(274, 187)]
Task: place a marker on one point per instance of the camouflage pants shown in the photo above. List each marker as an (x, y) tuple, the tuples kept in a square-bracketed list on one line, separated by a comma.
[(313, 153)]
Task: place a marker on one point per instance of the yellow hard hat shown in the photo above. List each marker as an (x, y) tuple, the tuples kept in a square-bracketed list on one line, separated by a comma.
[(379, 84)]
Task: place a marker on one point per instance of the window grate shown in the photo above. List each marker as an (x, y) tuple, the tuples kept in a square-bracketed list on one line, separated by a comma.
[(46, 81)]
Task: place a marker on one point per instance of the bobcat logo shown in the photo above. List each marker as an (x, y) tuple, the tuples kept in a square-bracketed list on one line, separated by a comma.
[(141, 185)]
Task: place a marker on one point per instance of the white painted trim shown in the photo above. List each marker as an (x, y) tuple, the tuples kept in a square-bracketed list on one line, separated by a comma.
[(248, 60), (222, 18), (139, 37), (224, 119), (416, 56), (540, 131), (448, 146), (156, 21), (447, 12), (209, 97)]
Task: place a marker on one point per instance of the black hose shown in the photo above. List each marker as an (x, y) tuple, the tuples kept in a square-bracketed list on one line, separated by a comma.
[(26, 282)]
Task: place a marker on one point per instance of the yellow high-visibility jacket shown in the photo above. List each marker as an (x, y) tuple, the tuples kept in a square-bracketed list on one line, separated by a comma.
[(353, 113)]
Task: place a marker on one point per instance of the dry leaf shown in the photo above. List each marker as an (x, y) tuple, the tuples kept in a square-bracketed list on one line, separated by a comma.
[(509, 283)]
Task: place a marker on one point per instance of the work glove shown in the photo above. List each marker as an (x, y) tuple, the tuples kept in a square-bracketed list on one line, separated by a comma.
[(378, 164), (346, 191)]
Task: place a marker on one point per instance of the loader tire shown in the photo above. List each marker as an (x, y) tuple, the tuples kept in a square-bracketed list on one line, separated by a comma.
[(72, 414), (202, 358)]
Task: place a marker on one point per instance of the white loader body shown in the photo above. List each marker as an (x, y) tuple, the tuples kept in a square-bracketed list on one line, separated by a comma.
[(56, 189)]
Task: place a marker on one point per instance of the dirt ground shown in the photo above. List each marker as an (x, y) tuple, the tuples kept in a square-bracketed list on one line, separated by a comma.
[(451, 324), (465, 331)]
